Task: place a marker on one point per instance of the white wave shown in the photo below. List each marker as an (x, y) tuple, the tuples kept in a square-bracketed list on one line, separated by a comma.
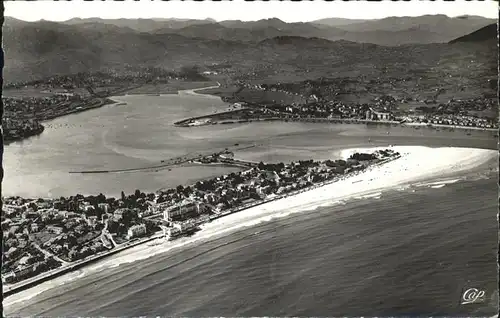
[(376, 195), (414, 165), (438, 186)]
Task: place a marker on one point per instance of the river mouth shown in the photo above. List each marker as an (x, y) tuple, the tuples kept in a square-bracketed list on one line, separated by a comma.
[(141, 133)]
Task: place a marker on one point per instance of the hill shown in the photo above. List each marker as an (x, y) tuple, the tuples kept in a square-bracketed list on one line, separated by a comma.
[(447, 28), (389, 31), (334, 22), (488, 33), (41, 49), (140, 25)]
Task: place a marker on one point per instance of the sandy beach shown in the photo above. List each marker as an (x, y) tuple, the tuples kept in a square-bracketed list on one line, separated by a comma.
[(418, 165)]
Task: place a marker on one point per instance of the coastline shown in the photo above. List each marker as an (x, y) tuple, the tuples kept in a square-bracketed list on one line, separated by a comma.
[(211, 119), (404, 170), (107, 100), (12, 289)]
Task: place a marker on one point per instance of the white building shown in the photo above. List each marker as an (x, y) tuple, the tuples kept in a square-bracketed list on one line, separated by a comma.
[(105, 207), (136, 231), (182, 210)]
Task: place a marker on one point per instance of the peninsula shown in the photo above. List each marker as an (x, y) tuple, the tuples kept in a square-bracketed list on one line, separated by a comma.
[(48, 237)]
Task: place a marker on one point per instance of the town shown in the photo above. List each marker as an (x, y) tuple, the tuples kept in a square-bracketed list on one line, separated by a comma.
[(27, 104), (40, 235), (317, 101)]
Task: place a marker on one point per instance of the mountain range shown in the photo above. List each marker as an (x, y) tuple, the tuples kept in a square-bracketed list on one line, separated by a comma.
[(43, 48), (388, 31), (486, 33)]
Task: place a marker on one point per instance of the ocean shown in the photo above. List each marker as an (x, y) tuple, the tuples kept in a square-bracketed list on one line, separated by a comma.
[(408, 251)]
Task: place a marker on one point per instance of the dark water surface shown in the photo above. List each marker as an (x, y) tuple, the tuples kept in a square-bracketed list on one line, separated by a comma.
[(405, 253)]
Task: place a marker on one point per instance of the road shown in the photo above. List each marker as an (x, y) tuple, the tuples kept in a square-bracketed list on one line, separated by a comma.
[(49, 254)]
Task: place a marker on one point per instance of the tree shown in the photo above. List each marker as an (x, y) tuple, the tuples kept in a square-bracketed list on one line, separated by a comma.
[(187, 191), (180, 189), (261, 166), (127, 217), (101, 198), (123, 196)]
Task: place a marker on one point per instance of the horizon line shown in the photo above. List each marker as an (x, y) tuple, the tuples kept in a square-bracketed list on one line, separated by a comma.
[(218, 21)]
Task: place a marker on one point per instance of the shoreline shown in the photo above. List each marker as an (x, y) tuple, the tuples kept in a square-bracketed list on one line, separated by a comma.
[(103, 101), (12, 289), (373, 180), (207, 120)]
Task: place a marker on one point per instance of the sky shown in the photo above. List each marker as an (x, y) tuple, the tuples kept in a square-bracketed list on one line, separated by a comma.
[(241, 10)]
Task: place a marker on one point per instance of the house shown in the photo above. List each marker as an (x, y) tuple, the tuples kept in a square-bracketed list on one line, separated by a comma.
[(118, 214), (184, 226), (9, 277), (34, 228), (23, 272), (6, 224), (136, 231), (25, 260), (105, 207), (88, 208), (55, 229), (92, 220), (44, 205), (380, 114), (182, 211), (271, 176), (30, 214)]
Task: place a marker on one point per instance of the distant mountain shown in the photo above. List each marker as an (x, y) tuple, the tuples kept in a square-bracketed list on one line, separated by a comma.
[(335, 22), (393, 38), (389, 31), (141, 25), (41, 49), (254, 31), (448, 28), (488, 33), (10, 21)]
